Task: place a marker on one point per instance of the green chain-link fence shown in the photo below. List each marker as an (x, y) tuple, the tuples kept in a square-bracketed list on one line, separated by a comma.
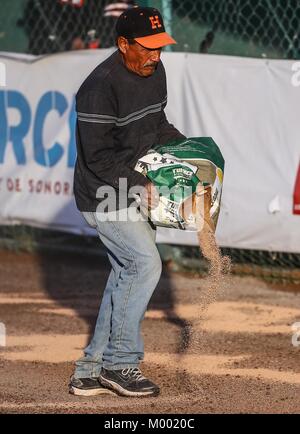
[(50, 26), (255, 28), (274, 267)]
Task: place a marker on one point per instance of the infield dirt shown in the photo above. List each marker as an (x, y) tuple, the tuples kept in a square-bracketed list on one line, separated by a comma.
[(244, 360)]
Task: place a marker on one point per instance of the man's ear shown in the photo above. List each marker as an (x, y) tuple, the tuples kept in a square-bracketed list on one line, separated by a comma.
[(123, 44)]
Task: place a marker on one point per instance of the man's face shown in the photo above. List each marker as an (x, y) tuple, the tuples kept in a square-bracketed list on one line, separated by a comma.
[(138, 59)]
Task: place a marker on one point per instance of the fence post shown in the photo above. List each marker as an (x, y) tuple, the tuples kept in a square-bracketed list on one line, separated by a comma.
[(167, 16)]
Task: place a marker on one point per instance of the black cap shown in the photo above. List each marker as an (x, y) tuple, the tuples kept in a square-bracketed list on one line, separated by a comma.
[(145, 26)]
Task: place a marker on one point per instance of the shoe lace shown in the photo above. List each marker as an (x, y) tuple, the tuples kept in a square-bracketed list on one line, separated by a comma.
[(134, 372)]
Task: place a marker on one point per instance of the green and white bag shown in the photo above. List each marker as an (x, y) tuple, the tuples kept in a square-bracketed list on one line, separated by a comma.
[(179, 167)]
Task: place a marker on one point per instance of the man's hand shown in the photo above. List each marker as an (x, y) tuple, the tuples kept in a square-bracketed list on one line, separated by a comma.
[(149, 197)]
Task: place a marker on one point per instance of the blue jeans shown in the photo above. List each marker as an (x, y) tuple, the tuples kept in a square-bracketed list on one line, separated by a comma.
[(136, 269)]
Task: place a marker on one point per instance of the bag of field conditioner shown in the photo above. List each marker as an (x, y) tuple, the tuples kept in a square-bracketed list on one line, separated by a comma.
[(181, 169)]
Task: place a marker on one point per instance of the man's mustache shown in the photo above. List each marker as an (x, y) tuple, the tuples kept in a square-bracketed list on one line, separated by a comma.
[(154, 64)]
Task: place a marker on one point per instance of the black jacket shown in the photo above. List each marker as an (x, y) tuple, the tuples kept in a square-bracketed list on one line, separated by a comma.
[(120, 116)]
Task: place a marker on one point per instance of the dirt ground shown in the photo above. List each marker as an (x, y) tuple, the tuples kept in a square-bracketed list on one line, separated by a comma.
[(238, 356)]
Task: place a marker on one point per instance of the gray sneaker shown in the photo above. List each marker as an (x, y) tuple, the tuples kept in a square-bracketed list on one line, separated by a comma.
[(87, 387), (128, 382)]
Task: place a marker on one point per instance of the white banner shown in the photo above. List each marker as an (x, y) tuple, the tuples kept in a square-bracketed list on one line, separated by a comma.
[(251, 108)]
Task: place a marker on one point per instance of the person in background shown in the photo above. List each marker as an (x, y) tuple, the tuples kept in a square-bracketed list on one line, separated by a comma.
[(207, 42), (60, 25), (112, 10)]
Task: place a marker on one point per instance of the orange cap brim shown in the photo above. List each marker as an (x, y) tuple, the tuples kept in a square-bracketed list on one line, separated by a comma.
[(156, 41)]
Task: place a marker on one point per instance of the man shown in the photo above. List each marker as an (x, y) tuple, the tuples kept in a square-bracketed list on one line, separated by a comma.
[(121, 116)]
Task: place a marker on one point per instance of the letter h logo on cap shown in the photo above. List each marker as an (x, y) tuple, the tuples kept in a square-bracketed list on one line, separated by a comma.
[(156, 24)]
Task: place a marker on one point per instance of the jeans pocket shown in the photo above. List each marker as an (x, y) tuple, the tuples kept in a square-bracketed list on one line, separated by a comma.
[(89, 218)]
